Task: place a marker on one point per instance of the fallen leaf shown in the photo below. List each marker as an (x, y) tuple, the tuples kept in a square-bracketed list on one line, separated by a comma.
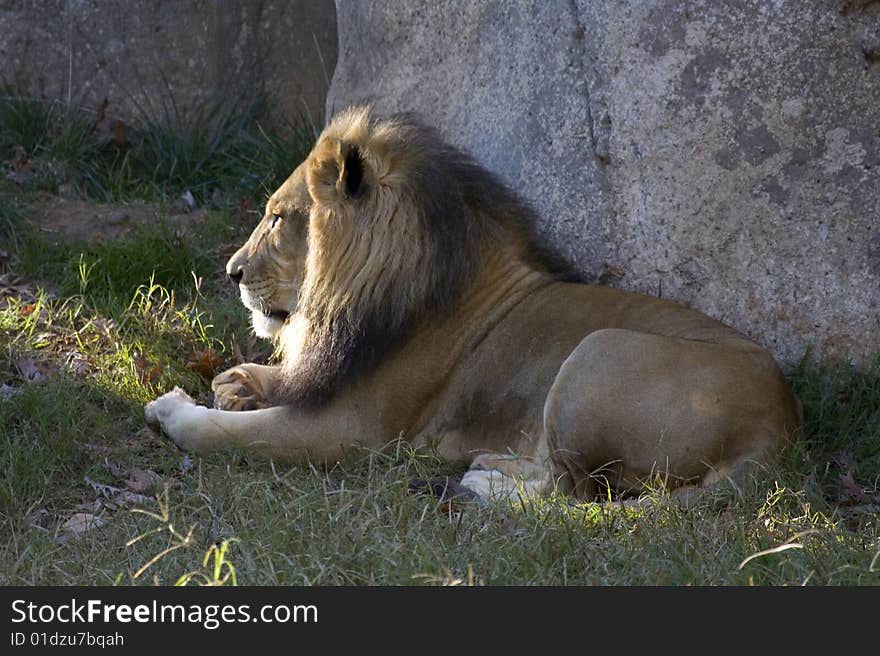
[(145, 437), (147, 372), (33, 370), (205, 363), (142, 480), (93, 506), (79, 524), (21, 168), (102, 488), (252, 352), (106, 326), (12, 286), (236, 351), (126, 497)]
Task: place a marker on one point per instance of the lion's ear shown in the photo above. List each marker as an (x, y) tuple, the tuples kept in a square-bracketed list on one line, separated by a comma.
[(351, 170), (336, 171)]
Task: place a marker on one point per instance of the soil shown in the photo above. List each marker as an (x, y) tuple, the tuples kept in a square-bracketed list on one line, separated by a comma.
[(64, 219)]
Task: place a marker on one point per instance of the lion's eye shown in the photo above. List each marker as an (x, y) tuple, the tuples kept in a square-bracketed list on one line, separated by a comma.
[(275, 219)]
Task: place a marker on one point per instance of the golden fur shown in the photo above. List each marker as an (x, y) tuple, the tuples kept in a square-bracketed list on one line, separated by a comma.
[(401, 283)]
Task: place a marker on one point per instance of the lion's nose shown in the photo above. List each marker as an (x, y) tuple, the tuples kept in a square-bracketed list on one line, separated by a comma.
[(235, 274)]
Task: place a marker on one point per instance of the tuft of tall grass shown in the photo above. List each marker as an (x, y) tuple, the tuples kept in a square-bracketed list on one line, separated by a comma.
[(11, 213), (223, 150), (24, 125)]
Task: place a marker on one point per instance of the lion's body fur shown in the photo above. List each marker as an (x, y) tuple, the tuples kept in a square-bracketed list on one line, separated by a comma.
[(421, 307)]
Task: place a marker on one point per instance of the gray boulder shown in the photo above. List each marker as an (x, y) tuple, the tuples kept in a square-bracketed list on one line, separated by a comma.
[(723, 154)]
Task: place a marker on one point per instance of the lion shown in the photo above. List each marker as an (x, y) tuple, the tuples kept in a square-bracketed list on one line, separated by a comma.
[(406, 294)]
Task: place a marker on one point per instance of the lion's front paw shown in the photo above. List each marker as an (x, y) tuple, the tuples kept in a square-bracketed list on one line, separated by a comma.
[(238, 389), (161, 410), (178, 416)]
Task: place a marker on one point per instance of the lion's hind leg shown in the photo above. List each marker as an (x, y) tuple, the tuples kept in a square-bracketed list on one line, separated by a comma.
[(506, 476), (628, 407), (492, 476)]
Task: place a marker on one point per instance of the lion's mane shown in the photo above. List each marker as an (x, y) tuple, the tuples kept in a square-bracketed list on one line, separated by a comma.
[(399, 226)]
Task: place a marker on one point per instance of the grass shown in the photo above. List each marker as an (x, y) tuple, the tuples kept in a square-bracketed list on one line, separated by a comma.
[(90, 332), (219, 152)]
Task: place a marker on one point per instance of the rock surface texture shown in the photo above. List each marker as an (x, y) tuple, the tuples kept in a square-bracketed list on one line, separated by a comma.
[(150, 57), (723, 154)]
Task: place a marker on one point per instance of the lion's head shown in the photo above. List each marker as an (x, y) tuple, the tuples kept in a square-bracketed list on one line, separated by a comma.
[(269, 267), (383, 226)]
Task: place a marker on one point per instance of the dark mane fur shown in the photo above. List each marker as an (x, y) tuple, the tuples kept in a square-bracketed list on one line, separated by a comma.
[(458, 208)]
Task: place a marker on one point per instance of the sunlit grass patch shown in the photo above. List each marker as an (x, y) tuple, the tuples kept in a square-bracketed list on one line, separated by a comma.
[(108, 273), (75, 378)]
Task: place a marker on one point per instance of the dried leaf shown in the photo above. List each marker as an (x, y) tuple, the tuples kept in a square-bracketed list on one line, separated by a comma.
[(143, 480), (131, 498), (102, 488), (93, 506), (252, 352), (236, 351), (205, 363), (106, 326), (33, 370), (79, 524), (147, 372)]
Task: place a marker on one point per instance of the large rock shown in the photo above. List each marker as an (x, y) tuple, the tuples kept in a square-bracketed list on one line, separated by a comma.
[(724, 154), (152, 57)]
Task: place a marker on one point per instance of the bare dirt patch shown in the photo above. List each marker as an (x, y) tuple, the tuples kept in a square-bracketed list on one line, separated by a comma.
[(65, 219)]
